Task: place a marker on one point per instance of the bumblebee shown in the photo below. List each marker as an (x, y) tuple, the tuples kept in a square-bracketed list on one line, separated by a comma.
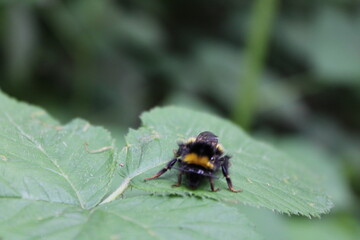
[(199, 158)]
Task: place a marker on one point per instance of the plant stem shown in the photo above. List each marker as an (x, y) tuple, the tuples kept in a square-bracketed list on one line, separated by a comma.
[(118, 191), (261, 20)]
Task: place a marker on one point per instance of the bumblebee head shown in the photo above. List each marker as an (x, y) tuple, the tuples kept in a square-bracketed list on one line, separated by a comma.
[(194, 180), (207, 137)]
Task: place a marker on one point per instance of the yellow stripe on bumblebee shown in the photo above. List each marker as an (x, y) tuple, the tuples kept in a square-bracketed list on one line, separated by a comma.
[(193, 158), (220, 148), (191, 140)]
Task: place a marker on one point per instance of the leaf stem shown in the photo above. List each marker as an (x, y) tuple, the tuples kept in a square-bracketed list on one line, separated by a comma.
[(118, 191), (263, 14)]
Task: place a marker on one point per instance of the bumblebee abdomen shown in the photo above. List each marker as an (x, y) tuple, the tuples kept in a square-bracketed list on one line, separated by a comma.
[(203, 161)]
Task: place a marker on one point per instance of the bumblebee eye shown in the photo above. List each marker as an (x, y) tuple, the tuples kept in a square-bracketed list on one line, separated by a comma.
[(212, 159)]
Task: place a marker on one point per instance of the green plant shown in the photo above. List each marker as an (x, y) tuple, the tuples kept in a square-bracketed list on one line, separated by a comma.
[(62, 182)]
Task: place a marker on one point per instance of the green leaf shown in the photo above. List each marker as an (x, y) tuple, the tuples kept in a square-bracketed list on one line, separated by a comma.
[(333, 58), (42, 160), (328, 168), (269, 224), (332, 228), (146, 217), (51, 184), (269, 178)]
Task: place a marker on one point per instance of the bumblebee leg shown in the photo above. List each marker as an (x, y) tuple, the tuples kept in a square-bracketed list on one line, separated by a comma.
[(162, 171), (179, 180), (212, 185), (225, 171)]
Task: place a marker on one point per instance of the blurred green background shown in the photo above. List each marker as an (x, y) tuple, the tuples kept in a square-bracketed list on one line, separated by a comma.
[(286, 71)]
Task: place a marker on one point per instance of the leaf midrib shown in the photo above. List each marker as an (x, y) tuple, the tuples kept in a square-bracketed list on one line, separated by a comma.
[(39, 147)]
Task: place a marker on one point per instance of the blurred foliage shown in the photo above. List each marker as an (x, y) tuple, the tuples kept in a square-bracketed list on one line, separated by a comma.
[(109, 60)]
